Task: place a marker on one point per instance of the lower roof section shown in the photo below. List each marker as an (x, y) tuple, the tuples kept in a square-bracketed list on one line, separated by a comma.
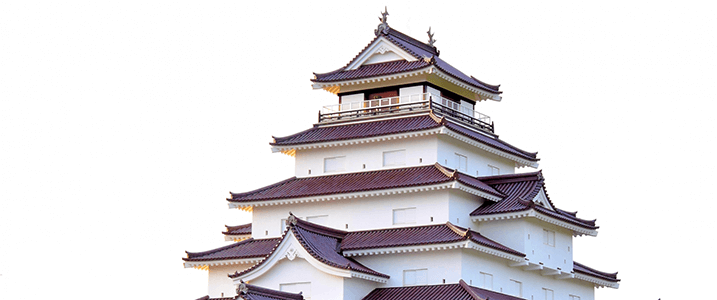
[(456, 291), (362, 181), (335, 134), (252, 292)]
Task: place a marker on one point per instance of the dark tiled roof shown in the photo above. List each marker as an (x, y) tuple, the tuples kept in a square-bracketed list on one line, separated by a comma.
[(493, 142), (520, 189), (419, 235), (392, 126), (322, 243), (360, 130), (221, 298), (357, 182), (249, 248), (580, 268), (253, 292), (456, 291), (426, 55), (238, 230), (371, 70)]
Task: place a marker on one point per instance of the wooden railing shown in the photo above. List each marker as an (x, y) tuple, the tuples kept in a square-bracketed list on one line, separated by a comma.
[(424, 101)]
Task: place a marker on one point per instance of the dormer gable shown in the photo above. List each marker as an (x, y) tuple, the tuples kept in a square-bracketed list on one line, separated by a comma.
[(381, 50), (542, 199)]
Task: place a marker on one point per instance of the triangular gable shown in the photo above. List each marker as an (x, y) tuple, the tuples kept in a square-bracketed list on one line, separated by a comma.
[(379, 51), (292, 247), (542, 199)]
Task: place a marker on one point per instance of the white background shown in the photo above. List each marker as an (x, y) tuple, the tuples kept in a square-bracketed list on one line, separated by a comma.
[(124, 125)]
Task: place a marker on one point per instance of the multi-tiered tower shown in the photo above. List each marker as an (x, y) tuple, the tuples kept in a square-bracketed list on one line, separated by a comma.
[(402, 191)]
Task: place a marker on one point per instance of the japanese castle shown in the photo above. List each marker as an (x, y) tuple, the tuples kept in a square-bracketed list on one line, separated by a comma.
[(402, 190)]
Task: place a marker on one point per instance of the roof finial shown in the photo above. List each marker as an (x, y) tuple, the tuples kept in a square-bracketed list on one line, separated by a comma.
[(430, 37), (242, 288), (383, 27)]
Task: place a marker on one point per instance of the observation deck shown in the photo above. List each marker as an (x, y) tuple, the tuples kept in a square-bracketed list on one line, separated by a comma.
[(410, 103)]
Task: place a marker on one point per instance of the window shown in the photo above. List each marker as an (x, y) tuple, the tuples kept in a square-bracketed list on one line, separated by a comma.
[(486, 280), (394, 158), (573, 297), (548, 294), (404, 216), (516, 288), (461, 162), (303, 287), (494, 170), (334, 164), (321, 220), (415, 277), (549, 237)]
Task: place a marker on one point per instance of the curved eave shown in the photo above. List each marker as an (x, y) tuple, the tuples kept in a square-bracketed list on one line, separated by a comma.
[(531, 213), (597, 281), (365, 194), (291, 149), (334, 86), (291, 248)]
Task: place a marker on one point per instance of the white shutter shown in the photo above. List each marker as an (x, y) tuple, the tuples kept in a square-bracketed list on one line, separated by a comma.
[(394, 158), (462, 162), (404, 216), (321, 220), (334, 164)]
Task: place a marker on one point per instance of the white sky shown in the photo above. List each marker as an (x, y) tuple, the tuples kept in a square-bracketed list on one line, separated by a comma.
[(124, 126)]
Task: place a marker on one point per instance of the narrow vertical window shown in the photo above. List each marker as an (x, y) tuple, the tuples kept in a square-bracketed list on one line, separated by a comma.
[(394, 158), (573, 297), (486, 281), (415, 277), (334, 164), (404, 216), (461, 162), (549, 295), (549, 237), (494, 170), (516, 288), (284, 224)]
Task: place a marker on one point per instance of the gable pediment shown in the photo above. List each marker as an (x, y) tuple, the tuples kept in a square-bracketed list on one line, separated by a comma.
[(542, 199), (380, 51)]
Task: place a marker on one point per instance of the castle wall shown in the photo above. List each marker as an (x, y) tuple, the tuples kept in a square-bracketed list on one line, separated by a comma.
[(504, 279), (478, 161), (220, 283), (439, 265), (359, 213), (322, 286)]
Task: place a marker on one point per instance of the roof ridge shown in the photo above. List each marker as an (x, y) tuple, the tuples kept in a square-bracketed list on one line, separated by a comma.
[(203, 253), (245, 288), (409, 39), (469, 290)]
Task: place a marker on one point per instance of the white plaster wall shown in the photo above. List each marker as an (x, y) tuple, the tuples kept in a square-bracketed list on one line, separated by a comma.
[(356, 289), (526, 235), (478, 160), (556, 256), (371, 154), (442, 264), (460, 205), (380, 58), (511, 233), (359, 214), (474, 262), (323, 286), (220, 283)]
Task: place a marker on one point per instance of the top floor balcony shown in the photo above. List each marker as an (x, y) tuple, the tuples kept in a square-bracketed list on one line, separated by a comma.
[(417, 102)]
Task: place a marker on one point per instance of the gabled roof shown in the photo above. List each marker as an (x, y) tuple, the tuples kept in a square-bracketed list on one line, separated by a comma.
[(243, 229), (321, 243), (253, 292), (321, 134), (424, 54), (362, 181), (580, 268), (249, 248), (520, 190), (220, 298), (418, 235), (456, 291)]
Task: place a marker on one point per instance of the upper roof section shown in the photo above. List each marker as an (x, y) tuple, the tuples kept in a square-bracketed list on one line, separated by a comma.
[(394, 56)]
